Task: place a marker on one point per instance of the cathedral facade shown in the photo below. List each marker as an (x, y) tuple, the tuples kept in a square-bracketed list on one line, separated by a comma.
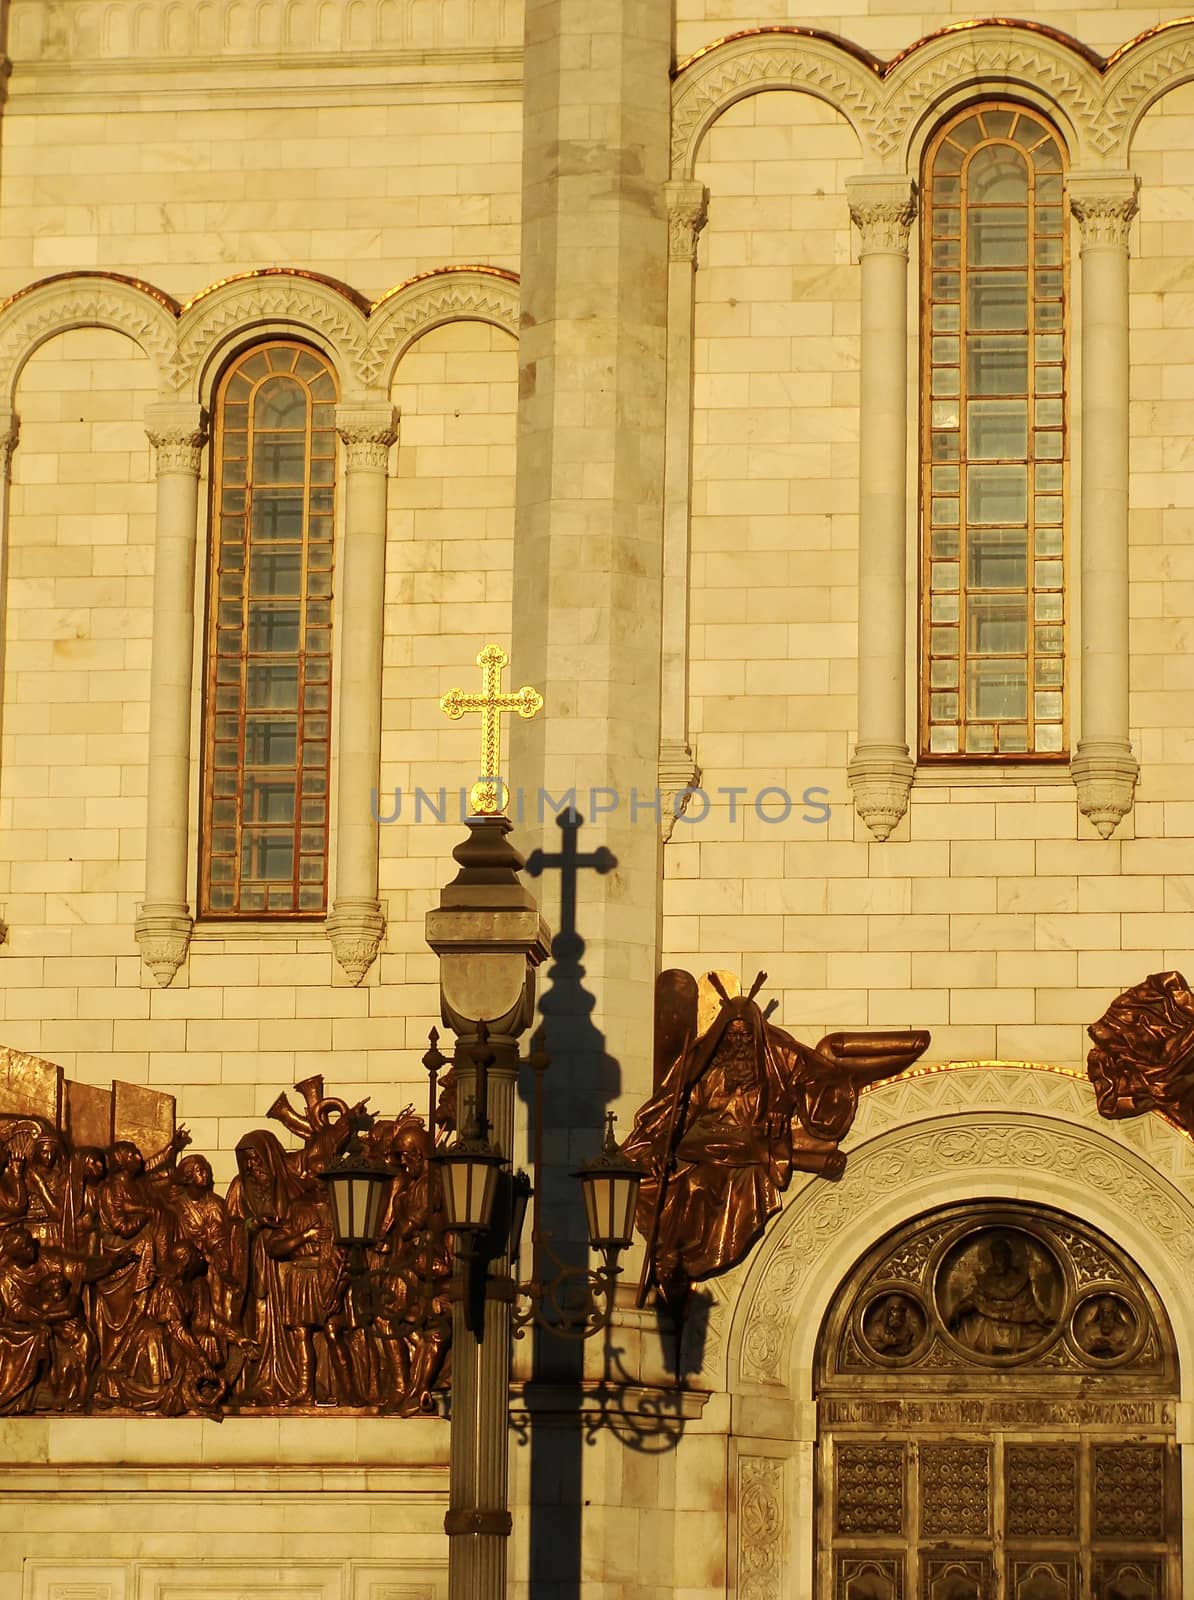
[(803, 403)]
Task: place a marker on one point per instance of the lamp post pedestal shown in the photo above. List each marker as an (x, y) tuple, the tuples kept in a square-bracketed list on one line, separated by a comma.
[(489, 937)]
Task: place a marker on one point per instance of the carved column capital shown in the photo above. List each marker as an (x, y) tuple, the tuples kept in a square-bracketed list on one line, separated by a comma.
[(880, 778), (1104, 774), (687, 202), (163, 931), (679, 776), (355, 929), (883, 210), (1104, 204), (368, 431), (177, 430)]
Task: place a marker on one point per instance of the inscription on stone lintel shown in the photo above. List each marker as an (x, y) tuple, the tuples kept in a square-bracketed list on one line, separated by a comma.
[(997, 1413)]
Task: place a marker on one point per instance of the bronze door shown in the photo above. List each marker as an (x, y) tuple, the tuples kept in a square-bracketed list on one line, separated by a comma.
[(996, 1405)]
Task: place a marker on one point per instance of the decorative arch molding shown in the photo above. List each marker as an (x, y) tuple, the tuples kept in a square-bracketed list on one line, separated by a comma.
[(85, 300), (450, 294), (818, 64), (1007, 1131), (1097, 103), (231, 311)]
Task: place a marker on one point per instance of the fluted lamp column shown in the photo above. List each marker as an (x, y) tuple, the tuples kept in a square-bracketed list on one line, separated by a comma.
[(176, 429), (881, 769), (1104, 767), (356, 924)]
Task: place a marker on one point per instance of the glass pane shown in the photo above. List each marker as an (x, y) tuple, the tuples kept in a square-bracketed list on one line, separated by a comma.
[(943, 675), (997, 365), (266, 855), (1012, 740), (279, 458), (1048, 380), (945, 511), (946, 380), (1048, 738), (997, 558), (947, 352), (274, 629), (1048, 641), (996, 626), (944, 575), (947, 319), (967, 134), (1047, 508), (945, 413), (1048, 672), (272, 685), (1047, 705), (944, 641), (280, 403), (1047, 542), (997, 173), (277, 516), (1047, 607), (943, 544), (269, 800), (948, 480), (947, 253), (276, 572), (269, 743), (997, 300), (1047, 252), (943, 707), (945, 608), (945, 445), (947, 222), (996, 689), (980, 740), (943, 741), (1047, 446), (945, 285), (997, 494), (997, 430), (1047, 574), (999, 238)]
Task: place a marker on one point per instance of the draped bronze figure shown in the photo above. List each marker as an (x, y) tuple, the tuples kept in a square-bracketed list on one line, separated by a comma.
[(1143, 1056), (739, 1106)]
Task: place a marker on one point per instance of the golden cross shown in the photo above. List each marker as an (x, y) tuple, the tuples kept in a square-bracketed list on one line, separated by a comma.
[(485, 796)]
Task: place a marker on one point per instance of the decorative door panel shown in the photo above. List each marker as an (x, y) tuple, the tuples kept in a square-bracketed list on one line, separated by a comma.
[(997, 1389)]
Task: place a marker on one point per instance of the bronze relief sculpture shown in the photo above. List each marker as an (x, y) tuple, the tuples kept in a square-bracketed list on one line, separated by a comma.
[(739, 1106), (128, 1285), (1143, 1055)]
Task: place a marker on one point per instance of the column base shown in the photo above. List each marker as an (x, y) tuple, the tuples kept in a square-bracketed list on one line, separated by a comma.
[(163, 930), (880, 776), (1104, 773), (355, 929), (678, 773)]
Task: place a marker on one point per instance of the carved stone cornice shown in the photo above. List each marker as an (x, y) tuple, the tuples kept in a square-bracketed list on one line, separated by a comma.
[(687, 208), (1104, 204), (177, 430), (163, 932), (883, 210), (368, 431), (1104, 774), (355, 929), (880, 778)]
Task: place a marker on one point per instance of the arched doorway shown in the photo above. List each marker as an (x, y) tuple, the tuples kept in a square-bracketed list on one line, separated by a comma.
[(996, 1389)]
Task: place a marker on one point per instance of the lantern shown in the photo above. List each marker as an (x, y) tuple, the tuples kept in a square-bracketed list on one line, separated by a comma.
[(357, 1187), (610, 1184), (469, 1169)]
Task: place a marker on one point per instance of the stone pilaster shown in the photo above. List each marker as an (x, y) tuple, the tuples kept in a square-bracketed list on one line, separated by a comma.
[(356, 924), (589, 495), (9, 430), (1104, 766), (177, 430), (686, 203), (881, 768)]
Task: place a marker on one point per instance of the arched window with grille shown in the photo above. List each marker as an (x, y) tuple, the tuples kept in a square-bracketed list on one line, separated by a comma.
[(994, 446), (264, 807)]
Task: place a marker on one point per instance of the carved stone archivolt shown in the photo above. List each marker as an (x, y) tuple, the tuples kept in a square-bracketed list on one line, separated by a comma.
[(128, 1284), (1098, 103)]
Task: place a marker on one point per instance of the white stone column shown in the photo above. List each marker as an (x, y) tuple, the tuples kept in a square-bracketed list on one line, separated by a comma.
[(176, 429), (8, 439), (881, 768), (686, 203), (356, 925), (1104, 767)]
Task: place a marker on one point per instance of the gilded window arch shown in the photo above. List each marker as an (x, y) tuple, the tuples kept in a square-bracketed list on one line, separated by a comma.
[(267, 710), (994, 441)]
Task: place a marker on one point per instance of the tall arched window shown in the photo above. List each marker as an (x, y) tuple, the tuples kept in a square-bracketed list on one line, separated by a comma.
[(269, 641), (993, 438)]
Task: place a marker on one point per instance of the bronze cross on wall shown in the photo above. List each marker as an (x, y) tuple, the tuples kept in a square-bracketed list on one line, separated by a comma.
[(569, 860)]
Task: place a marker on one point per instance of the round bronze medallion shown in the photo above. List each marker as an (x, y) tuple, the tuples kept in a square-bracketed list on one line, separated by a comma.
[(1106, 1327), (1000, 1293), (894, 1325)]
